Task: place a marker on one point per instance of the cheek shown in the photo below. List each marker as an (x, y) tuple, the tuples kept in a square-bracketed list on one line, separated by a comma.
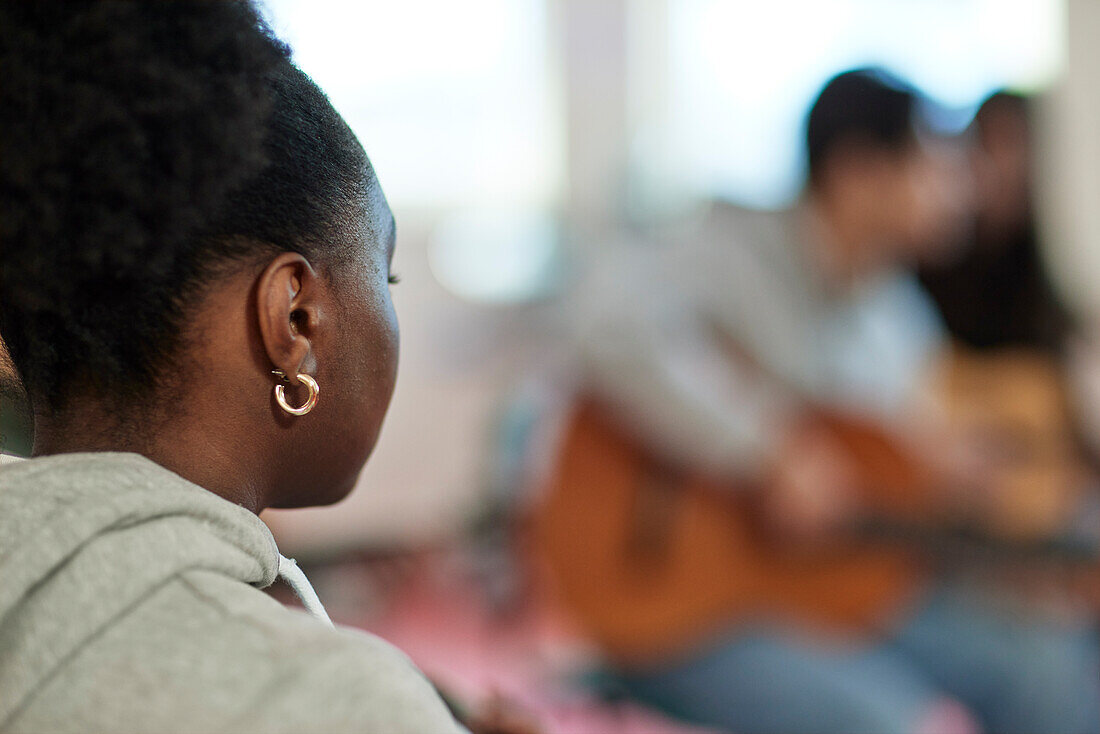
[(355, 394), (373, 348), (385, 349)]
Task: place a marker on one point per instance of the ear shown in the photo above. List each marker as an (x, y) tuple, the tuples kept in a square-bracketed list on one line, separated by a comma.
[(289, 313)]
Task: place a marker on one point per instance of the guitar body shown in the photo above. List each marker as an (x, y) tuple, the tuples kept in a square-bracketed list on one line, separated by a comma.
[(651, 561)]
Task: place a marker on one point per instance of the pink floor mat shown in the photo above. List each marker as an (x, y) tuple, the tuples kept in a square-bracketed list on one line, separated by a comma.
[(525, 658)]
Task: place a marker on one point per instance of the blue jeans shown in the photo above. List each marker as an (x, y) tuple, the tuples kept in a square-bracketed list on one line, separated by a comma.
[(1014, 675)]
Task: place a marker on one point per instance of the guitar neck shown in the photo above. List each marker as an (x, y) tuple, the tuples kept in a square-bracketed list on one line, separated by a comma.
[(962, 542)]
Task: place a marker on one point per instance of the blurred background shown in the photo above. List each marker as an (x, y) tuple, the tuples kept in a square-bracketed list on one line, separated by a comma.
[(535, 152), (516, 138)]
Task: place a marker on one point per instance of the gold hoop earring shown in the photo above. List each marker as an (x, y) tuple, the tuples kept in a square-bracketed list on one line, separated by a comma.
[(280, 393)]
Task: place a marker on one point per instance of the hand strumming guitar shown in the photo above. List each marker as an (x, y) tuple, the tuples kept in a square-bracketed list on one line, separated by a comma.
[(809, 493)]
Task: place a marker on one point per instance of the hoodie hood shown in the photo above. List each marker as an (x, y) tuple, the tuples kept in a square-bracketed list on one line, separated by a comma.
[(98, 533)]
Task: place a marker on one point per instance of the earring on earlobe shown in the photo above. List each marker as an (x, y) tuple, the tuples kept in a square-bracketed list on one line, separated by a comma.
[(280, 393)]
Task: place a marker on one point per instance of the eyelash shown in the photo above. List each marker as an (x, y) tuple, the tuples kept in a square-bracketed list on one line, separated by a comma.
[(395, 279)]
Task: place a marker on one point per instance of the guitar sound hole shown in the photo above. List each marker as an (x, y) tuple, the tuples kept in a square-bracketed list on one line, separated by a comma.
[(653, 516)]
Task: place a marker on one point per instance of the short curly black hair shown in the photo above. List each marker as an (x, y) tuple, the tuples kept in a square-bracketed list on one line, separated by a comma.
[(870, 105), (142, 143)]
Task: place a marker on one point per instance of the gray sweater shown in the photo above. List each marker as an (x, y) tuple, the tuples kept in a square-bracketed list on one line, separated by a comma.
[(130, 602), (710, 344)]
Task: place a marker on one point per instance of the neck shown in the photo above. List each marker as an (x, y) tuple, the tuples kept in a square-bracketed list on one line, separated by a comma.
[(175, 443), (841, 242)]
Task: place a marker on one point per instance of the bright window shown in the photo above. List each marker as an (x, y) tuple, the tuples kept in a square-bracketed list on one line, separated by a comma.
[(452, 100), (742, 74)]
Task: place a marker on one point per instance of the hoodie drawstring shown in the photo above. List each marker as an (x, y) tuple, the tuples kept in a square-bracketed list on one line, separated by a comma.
[(296, 580)]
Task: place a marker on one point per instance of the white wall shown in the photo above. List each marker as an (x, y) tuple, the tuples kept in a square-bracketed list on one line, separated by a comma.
[(1069, 163)]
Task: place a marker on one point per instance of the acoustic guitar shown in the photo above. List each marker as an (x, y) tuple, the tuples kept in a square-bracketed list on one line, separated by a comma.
[(651, 559)]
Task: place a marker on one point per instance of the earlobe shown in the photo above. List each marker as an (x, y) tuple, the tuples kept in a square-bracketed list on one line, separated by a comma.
[(311, 401), (287, 311)]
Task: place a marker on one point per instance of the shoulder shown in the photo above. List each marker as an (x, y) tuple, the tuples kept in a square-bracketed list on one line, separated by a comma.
[(730, 222), (208, 653), (726, 239), (320, 678), (358, 682), (733, 253)]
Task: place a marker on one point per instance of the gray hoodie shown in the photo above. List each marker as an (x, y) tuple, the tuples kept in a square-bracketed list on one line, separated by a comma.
[(130, 602)]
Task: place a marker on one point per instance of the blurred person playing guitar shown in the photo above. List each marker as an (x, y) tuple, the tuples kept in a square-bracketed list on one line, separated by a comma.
[(785, 358)]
